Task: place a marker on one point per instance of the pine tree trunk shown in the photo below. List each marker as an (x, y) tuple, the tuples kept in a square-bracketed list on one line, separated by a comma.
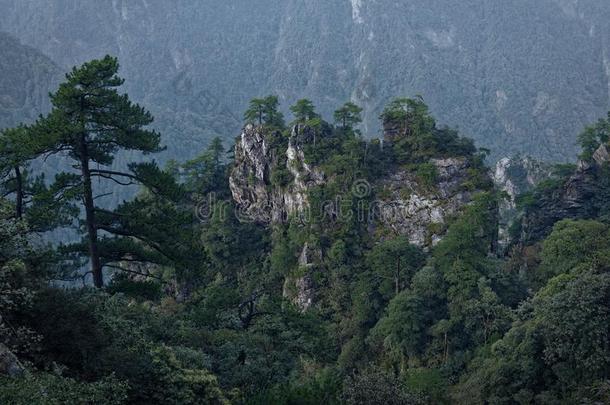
[(96, 267), (19, 193)]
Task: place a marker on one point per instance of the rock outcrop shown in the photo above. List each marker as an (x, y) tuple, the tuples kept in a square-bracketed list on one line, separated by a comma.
[(419, 212), (582, 195), (403, 206), (301, 289), (414, 201), (515, 176), (250, 182)]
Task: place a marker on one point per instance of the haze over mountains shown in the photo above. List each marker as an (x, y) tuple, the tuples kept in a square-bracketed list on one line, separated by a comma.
[(517, 76)]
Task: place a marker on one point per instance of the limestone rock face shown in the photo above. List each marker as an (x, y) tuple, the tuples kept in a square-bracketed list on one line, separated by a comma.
[(404, 205), (515, 176), (601, 155), (575, 198), (250, 181), (301, 290), (417, 212)]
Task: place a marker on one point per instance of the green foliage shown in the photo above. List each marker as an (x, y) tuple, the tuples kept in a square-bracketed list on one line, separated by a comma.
[(552, 354), (303, 111), (19, 281), (348, 115), (90, 122), (281, 177), (265, 111), (378, 388), (45, 388), (403, 331), (95, 334), (87, 107), (143, 290), (593, 136), (202, 309), (573, 246), (407, 116), (427, 173), (415, 136), (321, 388), (394, 262)]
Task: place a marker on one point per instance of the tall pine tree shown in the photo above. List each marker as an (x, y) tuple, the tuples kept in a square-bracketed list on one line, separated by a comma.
[(90, 122)]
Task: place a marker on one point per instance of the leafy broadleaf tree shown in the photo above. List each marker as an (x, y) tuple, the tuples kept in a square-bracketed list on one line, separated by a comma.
[(90, 122), (395, 261)]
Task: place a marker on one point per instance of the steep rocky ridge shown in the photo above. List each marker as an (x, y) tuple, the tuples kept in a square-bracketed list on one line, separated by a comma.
[(583, 194), (250, 180), (516, 176), (401, 202), (420, 212)]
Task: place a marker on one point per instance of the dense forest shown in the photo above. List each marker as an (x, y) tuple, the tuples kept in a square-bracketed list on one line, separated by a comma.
[(304, 264)]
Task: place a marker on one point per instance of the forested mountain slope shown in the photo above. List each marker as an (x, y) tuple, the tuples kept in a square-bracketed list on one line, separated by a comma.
[(517, 76), (26, 77), (311, 265)]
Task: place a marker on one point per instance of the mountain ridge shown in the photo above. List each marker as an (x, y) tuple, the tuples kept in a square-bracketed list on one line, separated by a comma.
[(461, 57)]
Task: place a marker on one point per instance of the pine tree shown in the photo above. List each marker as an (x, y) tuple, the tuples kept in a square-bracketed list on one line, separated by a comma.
[(255, 111), (14, 159), (272, 115), (265, 111), (90, 122), (303, 111), (348, 115)]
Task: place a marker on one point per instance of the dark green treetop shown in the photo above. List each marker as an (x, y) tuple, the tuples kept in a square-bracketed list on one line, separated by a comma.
[(265, 111), (348, 115), (303, 111), (593, 136)]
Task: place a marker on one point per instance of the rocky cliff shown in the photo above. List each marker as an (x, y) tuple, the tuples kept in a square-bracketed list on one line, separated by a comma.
[(251, 179), (403, 204), (516, 176), (399, 203), (419, 211), (583, 194)]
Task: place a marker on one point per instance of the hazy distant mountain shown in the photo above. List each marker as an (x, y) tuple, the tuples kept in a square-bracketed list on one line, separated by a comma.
[(26, 77), (516, 75)]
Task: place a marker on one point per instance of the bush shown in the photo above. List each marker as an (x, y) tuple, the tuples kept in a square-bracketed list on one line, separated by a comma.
[(427, 173)]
